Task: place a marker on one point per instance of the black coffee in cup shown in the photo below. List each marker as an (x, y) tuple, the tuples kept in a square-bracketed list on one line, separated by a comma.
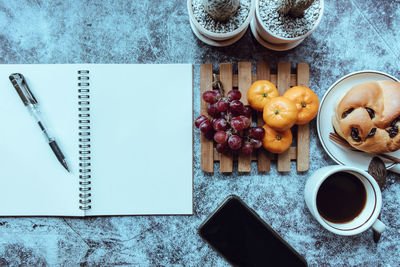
[(341, 197)]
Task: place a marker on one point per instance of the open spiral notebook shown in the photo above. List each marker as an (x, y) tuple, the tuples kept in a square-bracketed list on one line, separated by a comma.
[(125, 130)]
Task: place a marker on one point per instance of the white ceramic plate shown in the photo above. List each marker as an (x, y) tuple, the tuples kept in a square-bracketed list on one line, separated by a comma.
[(334, 94)]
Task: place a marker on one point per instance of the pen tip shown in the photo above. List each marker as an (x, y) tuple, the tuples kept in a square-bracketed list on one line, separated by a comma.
[(65, 166)]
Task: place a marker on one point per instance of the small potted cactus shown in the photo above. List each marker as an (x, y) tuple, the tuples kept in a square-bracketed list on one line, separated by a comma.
[(284, 24), (221, 10), (294, 8), (220, 22)]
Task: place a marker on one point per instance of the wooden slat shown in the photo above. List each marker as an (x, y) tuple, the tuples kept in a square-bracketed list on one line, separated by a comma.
[(263, 156), (244, 74), (217, 155), (226, 73), (292, 154), (303, 131), (207, 146), (235, 83), (283, 83)]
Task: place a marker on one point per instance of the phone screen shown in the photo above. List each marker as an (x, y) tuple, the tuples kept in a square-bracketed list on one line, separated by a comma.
[(244, 239)]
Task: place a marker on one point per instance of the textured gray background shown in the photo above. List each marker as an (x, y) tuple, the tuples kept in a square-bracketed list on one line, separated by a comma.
[(353, 35)]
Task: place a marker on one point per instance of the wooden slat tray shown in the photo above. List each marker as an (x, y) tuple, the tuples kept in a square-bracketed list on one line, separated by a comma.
[(284, 79)]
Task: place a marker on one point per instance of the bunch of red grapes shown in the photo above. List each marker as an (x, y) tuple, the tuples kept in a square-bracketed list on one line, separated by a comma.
[(230, 123)]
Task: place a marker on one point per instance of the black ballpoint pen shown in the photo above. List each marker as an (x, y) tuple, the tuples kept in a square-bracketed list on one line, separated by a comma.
[(29, 100)]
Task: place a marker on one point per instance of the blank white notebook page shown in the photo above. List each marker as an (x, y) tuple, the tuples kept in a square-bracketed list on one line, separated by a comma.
[(141, 139), (32, 181)]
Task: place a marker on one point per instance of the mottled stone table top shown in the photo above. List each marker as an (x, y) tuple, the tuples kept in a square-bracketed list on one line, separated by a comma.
[(353, 35)]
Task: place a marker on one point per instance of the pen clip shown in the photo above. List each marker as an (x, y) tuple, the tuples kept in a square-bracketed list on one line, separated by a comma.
[(22, 88)]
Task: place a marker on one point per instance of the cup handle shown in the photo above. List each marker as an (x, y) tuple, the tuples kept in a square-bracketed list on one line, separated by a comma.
[(378, 226)]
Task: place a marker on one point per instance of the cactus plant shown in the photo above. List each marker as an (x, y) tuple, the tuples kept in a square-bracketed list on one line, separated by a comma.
[(221, 10), (294, 8)]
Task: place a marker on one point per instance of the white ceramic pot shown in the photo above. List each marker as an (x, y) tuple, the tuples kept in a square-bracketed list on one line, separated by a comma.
[(219, 39), (260, 31)]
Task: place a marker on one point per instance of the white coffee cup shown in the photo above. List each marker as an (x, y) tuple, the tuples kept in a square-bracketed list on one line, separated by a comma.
[(368, 216)]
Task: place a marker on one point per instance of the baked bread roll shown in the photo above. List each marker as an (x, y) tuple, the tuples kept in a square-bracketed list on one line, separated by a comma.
[(368, 117)]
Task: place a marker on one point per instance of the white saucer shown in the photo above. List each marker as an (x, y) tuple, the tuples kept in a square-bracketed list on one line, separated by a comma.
[(334, 94), (275, 47), (212, 42)]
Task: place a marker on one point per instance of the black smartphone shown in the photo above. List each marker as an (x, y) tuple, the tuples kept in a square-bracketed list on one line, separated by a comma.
[(239, 235)]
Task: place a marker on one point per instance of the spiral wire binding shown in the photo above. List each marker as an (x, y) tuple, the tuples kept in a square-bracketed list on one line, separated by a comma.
[(84, 141)]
